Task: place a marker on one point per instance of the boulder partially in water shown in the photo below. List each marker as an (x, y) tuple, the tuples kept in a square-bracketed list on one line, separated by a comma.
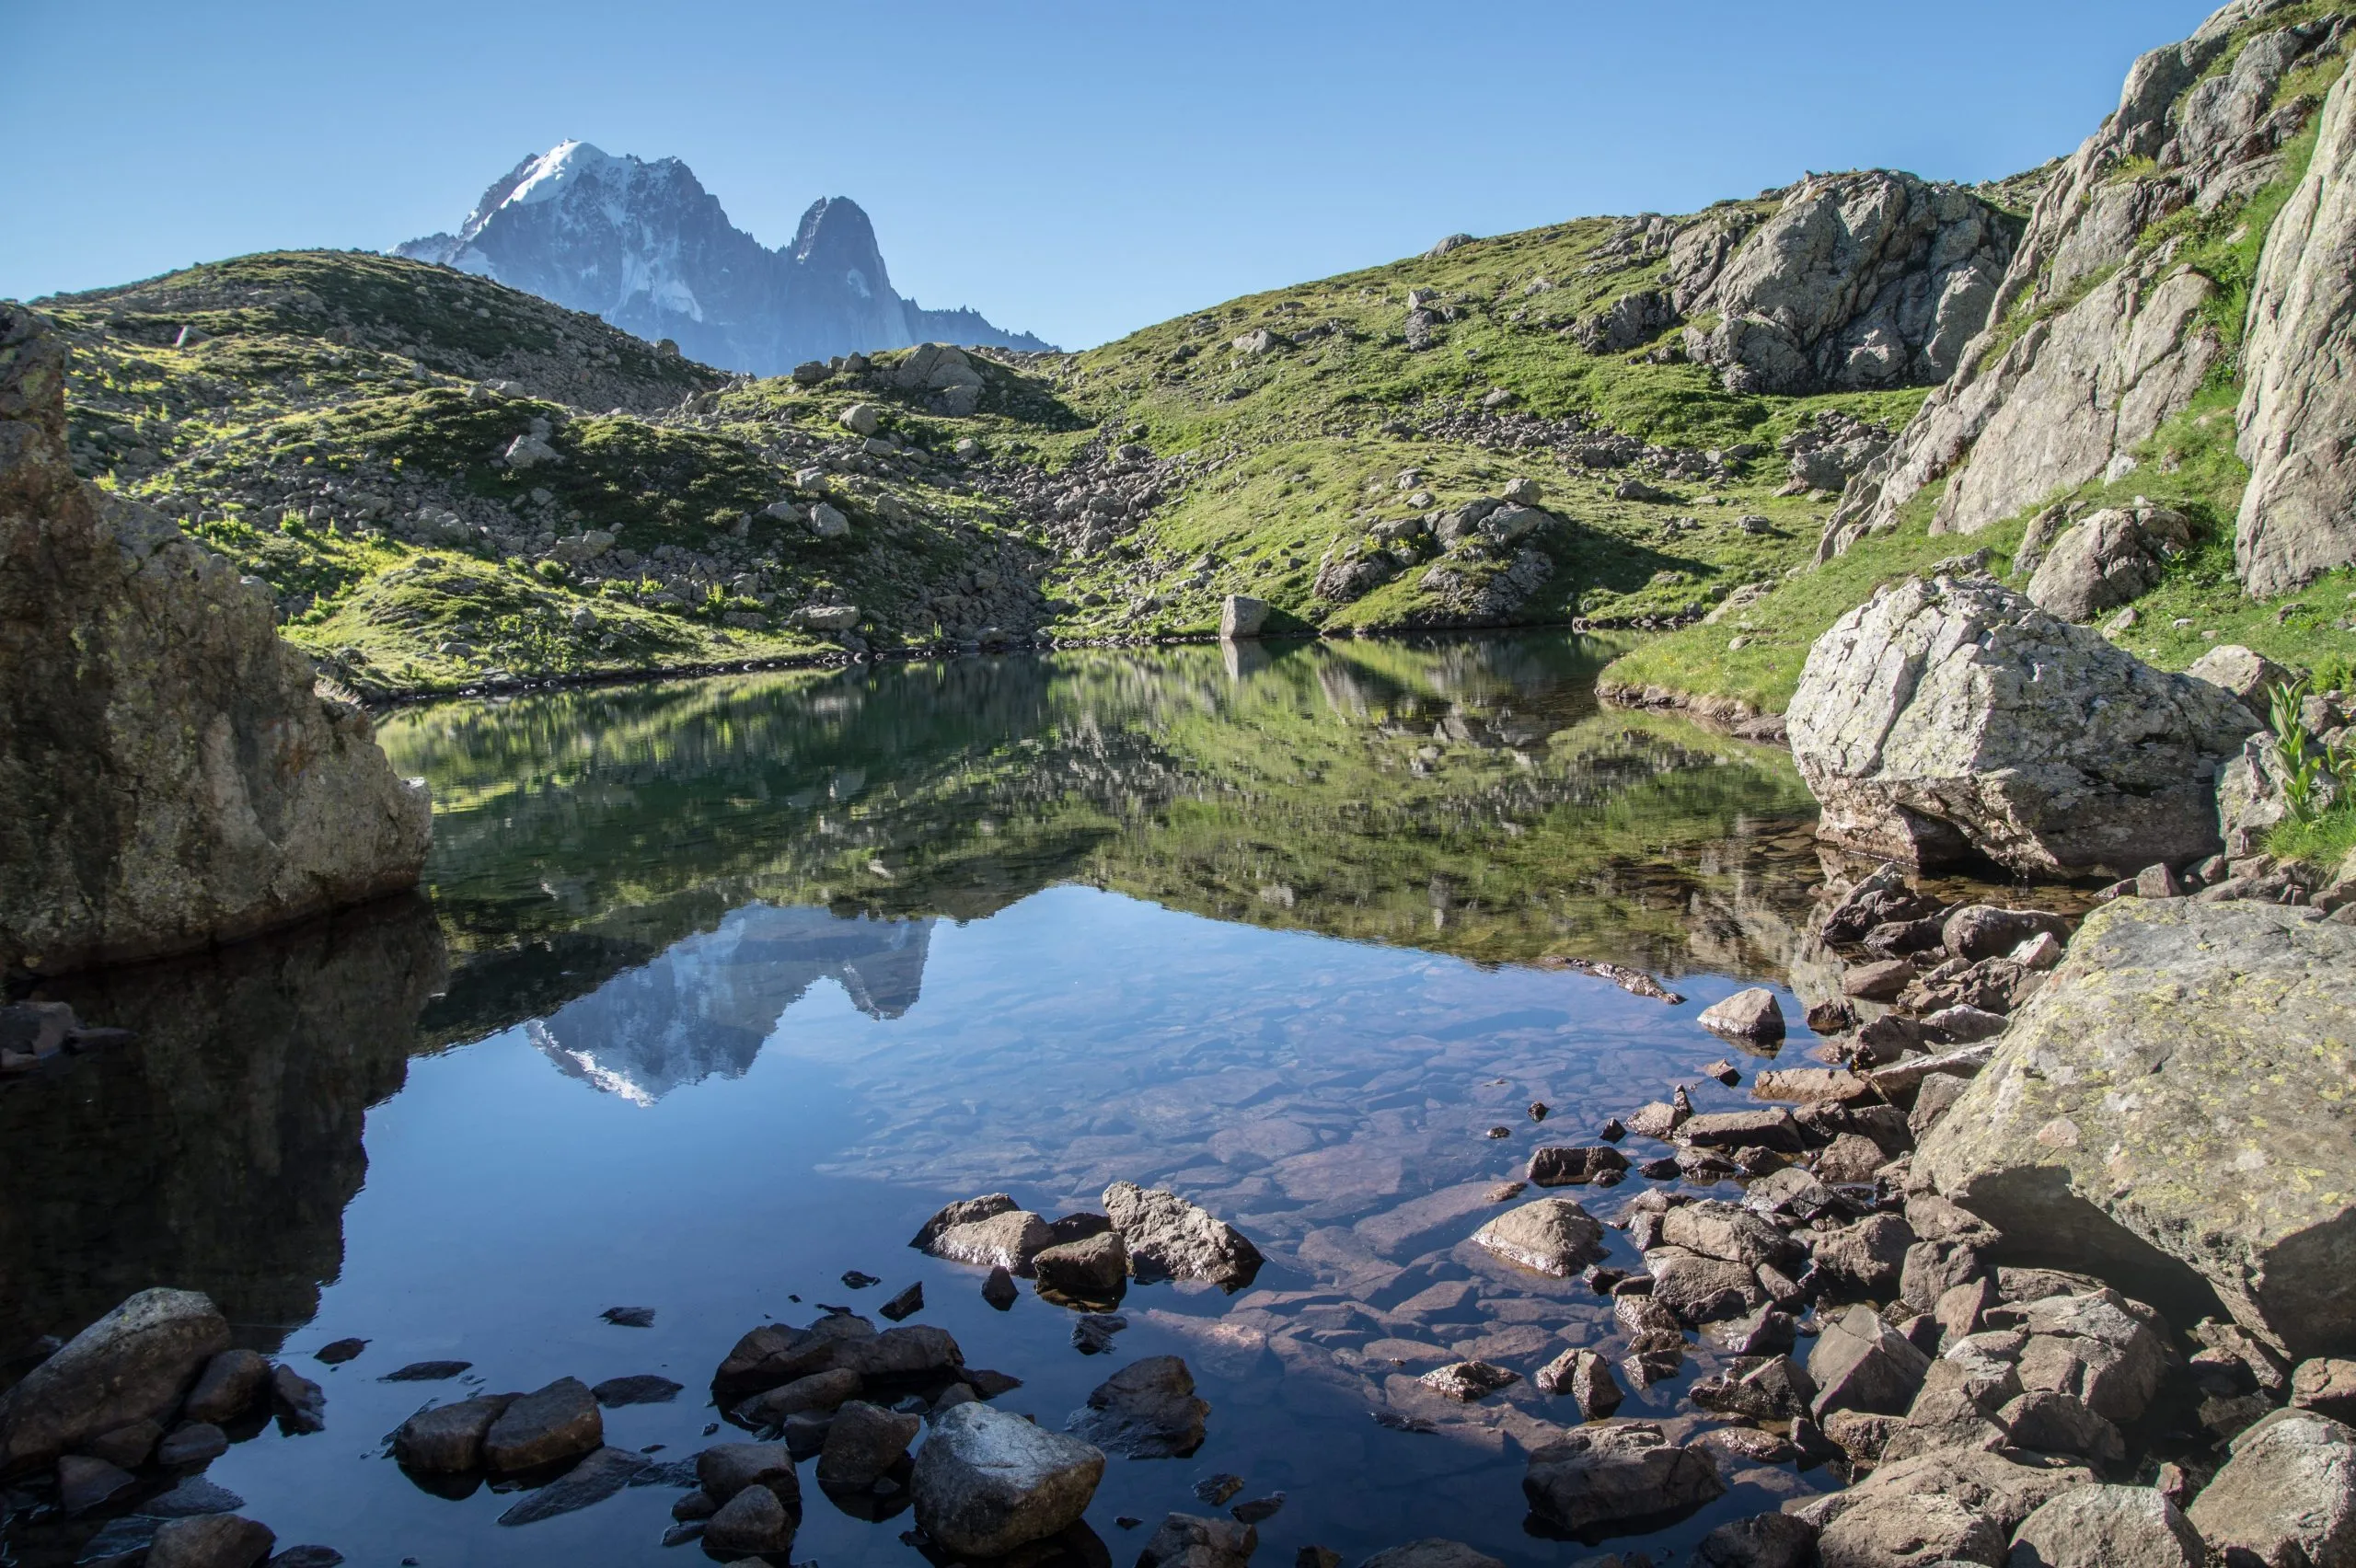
[(2171, 1110), (173, 778), (132, 1364), (1953, 717)]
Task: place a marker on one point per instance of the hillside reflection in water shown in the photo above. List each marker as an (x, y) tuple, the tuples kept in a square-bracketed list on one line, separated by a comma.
[(726, 985)]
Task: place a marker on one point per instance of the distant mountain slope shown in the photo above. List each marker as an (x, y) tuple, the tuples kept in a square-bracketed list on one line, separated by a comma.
[(646, 247)]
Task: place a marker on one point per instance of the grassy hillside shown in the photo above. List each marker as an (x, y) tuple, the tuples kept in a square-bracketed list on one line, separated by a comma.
[(345, 427)]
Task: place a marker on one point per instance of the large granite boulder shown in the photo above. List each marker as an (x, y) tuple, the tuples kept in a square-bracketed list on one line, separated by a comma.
[(2171, 1110), (2101, 332), (131, 1366), (172, 779), (1953, 716), (986, 1481), (1864, 280), (2298, 513), (1168, 1238), (2287, 1498)]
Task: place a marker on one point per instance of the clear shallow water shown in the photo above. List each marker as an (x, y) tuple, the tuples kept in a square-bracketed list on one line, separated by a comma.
[(723, 987)]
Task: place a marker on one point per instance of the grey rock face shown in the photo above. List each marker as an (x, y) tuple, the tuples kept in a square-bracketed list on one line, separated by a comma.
[(132, 1364), (1955, 715), (173, 781), (1168, 1238), (2131, 1119), (1621, 1473), (1553, 1236), (988, 1481), (1147, 1409), (2118, 342), (2298, 515), (543, 1427), (2111, 557), (2286, 1498), (1863, 280), (646, 247)]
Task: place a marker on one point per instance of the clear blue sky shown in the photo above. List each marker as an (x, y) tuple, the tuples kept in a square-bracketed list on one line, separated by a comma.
[(1074, 170)]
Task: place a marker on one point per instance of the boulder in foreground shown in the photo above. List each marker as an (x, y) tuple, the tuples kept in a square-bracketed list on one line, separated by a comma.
[(1953, 716), (172, 779), (986, 1481), (2176, 1099), (132, 1364)]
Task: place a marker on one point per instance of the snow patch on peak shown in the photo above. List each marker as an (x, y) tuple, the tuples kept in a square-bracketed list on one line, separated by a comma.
[(555, 169), (857, 281)]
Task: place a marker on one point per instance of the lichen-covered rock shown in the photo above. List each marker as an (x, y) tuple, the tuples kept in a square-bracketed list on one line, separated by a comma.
[(132, 1364), (1867, 280), (2111, 557), (1953, 715), (2298, 513), (2175, 1099), (172, 779), (2097, 337)]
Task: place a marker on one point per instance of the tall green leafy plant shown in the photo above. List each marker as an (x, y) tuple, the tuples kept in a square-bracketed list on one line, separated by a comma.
[(2314, 772)]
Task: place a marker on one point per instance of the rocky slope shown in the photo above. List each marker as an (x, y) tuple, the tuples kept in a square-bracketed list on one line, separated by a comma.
[(646, 248), (172, 779)]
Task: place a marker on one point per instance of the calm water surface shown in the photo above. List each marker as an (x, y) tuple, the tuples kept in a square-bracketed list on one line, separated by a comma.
[(720, 989)]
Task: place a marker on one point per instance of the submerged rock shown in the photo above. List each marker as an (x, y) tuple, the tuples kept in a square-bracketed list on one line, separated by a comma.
[(1147, 1409), (597, 1477), (172, 779), (132, 1364), (2140, 1120), (1185, 1540), (1953, 716)]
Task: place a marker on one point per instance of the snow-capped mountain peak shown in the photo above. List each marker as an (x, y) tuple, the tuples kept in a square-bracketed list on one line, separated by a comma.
[(646, 247)]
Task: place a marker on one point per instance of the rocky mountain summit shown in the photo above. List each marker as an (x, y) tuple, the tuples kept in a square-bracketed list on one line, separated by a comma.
[(647, 247), (172, 779)]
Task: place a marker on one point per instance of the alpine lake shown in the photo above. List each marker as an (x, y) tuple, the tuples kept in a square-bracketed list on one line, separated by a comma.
[(718, 988)]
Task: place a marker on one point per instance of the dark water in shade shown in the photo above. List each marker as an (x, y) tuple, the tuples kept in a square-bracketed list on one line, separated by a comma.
[(722, 988)]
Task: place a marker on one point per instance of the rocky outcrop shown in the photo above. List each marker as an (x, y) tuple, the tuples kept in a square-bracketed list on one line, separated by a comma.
[(2298, 513), (1954, 715), (2096, 337), (172, 779), (1867, 280), (2172, 1104)]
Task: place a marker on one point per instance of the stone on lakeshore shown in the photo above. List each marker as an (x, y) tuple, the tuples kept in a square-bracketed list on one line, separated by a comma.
[(1729, 1231), (1587, 1377), (819, 1390), (132, 1364), (1168, 1238), (1185, 1540), (1467, 1382), (1763, 1541), (84, 1483), (2106, 1527), (228, 1387), (1554, 1236), (1241, 617), (774, 1354), (643, 1387), (1000, 1289), (1701, 1290), (1147, 1410), (420, 1372), (301, 1404), (1094, 1269), (1869, 1256), (1743, 1129), (1753, 1017), (1773, 1388), (2287, 1497), (986, 1481), (863, 1443), (1573, 1167), (210, 1540), (126, 1446), (1954, 715), (2154, 1115), (1860, 1362), (754, 1522), (196, 1443), (543, 1427), (447, 1439), (1617, 1474), (1009, 1239), (726, 1468)]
